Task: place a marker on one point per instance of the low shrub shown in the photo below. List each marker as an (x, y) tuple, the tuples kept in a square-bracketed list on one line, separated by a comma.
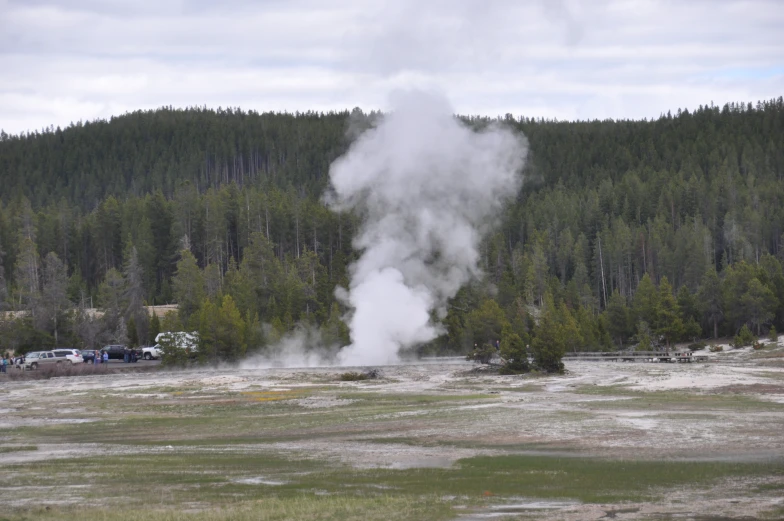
[(372, 374), (67, 369), (697, 346), (744, 338), (482, 354), (353, 376), (715, 348)]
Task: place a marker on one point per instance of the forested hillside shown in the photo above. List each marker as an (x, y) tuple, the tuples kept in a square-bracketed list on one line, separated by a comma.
[(220, 212)]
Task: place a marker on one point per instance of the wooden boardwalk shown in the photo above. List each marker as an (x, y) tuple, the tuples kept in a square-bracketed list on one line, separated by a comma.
[(637, 356)]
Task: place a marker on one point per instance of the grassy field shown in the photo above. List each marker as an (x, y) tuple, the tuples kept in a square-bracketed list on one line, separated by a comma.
[(187, 450), (191, 485)]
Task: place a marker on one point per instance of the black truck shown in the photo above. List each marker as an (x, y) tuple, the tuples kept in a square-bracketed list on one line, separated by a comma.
[(118, 352)]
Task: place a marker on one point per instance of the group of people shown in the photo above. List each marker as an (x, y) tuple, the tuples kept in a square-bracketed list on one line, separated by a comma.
[(9, 361), (130, 355), (101, 357)]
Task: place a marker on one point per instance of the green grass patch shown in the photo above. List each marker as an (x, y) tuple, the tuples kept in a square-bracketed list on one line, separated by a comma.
[(220, 478), (17, 448), (676, 400), (244, 420), (415, 399), (599, 480), (531, 448)]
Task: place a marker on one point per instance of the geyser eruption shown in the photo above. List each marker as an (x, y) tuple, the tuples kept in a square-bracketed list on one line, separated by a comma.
[(427, 188)]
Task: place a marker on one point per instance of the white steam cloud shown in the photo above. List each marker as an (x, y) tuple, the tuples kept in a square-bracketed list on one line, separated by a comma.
[(302, 347), (427, 188)]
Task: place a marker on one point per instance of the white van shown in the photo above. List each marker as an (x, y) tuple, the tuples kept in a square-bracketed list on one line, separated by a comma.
[(181, 339)]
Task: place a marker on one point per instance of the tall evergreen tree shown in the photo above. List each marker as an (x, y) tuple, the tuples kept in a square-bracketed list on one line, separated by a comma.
[(618, 318), (134, 296), (54, 303), (3, 286), (646, 301), (26, 275), (549, 342), (760, 304), (189, 290), (710, 298), (669, 323), (155, 328)]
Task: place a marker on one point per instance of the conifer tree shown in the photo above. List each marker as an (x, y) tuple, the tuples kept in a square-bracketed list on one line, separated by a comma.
[(646, 300), (134, 296), (54, 304), (570, 329), (617, 318), (487, 323), (26, 275), (3, 287), (221, 331), (668, 315), (155, 328), (549, 342), (514, 354), (710, 300), (760, 303), (133, 333), (334, 331), (189, 290)]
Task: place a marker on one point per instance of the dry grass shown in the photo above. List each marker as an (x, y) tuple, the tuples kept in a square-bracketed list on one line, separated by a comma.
[(316, 508), (353, 377), (67, 369)]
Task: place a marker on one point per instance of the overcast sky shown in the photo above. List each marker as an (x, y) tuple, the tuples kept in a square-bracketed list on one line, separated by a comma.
[(66, 60)]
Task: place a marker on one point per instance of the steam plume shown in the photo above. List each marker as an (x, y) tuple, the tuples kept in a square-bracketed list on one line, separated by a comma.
[(427, 188)]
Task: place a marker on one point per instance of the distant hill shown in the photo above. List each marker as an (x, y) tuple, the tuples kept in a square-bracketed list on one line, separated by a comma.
[(138, 153), (143, 151), (693, 197)]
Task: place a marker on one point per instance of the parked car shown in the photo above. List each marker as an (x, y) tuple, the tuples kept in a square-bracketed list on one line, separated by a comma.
[(37, 359), (88, 356), (152, 353), (72, 355), (116, 351)]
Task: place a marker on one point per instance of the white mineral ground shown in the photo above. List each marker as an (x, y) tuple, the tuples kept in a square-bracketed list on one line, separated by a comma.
[(587, 412)]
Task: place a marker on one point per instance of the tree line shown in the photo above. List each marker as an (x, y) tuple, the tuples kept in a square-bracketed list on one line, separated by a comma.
[(625, 231)]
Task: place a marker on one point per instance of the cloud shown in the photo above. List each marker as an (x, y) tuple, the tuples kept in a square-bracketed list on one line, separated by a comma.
[(67, 60)]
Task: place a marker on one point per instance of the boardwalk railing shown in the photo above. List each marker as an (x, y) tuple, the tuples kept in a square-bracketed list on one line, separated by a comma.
[(637, 356)]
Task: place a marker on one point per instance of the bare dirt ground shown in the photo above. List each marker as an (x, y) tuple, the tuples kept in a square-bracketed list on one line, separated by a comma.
[(727, 409)]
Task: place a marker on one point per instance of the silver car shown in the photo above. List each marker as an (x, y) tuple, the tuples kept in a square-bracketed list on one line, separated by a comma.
[(72, 355), (37, 359)]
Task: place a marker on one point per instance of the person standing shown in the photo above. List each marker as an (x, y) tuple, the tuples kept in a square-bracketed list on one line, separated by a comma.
[(105, 357)]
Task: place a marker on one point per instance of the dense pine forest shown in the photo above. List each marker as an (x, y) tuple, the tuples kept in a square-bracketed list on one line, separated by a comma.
[(625, 232)]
